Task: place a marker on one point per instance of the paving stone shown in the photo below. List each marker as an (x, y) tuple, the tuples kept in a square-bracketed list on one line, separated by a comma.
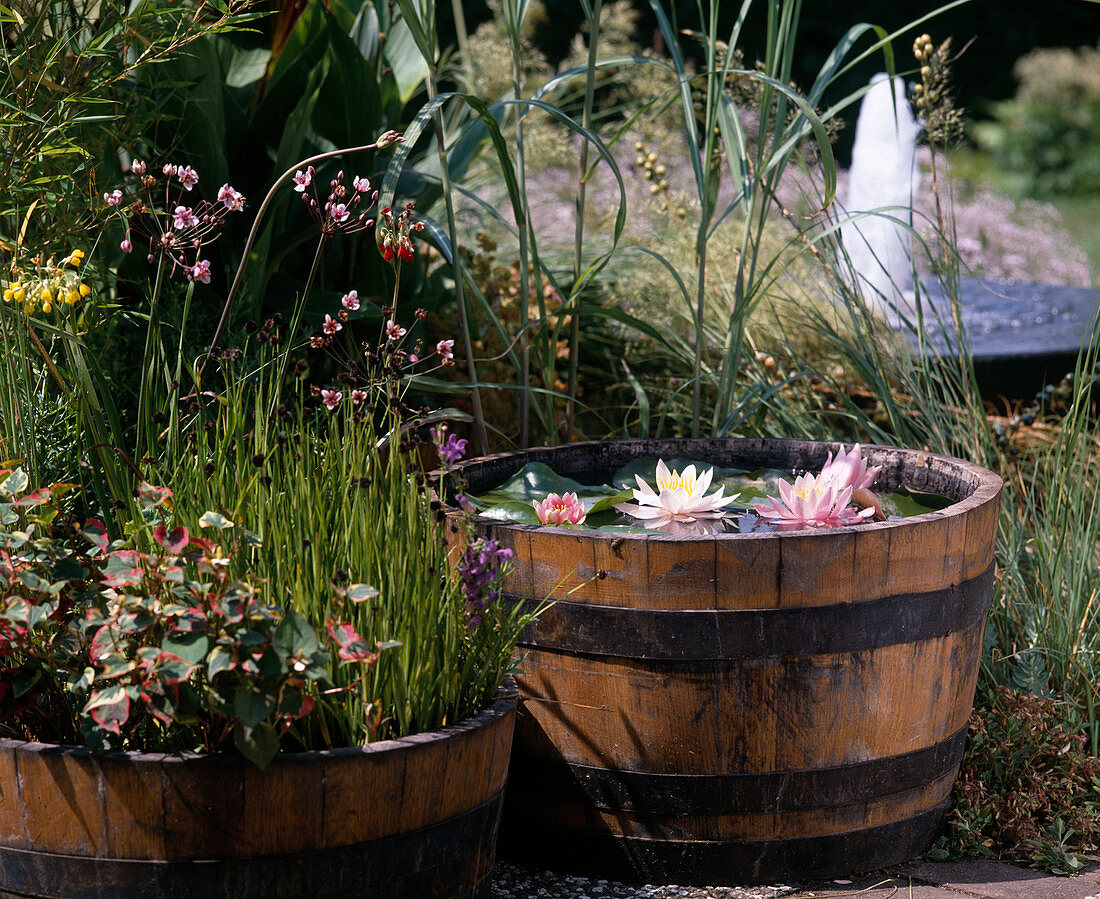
[(970, 879), (878, 887), (998, 880)]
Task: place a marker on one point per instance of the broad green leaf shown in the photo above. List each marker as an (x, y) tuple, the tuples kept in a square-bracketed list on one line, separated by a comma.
[(257, 744), (214, 520), (349, 107), (295, 635), (189, 647), (365, 31), (246, 66), (68, 569), (15, 483), (219, 660), (252, 705), (406, 59), (361, 592)]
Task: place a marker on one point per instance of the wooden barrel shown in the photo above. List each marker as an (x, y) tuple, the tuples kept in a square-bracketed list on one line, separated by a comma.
[(411, 818), (744, 707)]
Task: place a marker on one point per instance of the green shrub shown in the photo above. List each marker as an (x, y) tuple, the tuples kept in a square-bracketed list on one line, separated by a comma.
[(1028, 791), (1050, 132)]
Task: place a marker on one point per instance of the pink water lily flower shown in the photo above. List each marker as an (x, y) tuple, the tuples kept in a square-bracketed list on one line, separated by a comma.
[(849, 470), (679, 497), (811, 502), (563, 509)]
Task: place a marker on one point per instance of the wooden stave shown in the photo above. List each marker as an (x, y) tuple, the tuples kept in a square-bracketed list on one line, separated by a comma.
[(242, 852)]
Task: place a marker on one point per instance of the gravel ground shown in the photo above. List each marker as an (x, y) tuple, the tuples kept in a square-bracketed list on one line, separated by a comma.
[(518, 882)]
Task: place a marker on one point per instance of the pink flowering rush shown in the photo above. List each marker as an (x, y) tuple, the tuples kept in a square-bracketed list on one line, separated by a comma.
[(679, 497), (811, 502), (331, 398), (560, 510), (849, 470)]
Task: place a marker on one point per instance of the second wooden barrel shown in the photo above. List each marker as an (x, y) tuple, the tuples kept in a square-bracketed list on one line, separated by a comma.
[(410, 818), (744, 707)]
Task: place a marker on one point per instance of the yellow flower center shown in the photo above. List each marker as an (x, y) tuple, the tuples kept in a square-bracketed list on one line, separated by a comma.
[(676, 481)]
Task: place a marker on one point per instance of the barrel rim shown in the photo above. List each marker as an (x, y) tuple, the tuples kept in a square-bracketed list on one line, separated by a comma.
[(504, 703), (987, 489)]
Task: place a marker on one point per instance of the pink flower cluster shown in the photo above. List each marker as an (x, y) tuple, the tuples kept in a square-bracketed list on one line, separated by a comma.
[(392, 356), (180, 229), (337, 213), (823, 500)]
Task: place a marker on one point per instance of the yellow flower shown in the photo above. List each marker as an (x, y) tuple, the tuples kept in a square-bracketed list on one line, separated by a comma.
[(19, 295), (76, 257), (85, 290), (47, 297), (8, 294), (71, 296)]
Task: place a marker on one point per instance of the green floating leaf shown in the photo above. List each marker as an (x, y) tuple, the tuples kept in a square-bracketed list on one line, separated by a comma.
[(904, 502), (536, 480), (607, 503), (520, 513)]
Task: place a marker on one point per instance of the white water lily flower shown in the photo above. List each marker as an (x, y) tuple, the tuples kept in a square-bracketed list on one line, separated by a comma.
[(679, 497)]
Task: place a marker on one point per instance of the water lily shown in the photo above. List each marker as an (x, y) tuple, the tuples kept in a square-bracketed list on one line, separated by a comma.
[(560, 509), (848, 470), (812, 502), (678, 497)]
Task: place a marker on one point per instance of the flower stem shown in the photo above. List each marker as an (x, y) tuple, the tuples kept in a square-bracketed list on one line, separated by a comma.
[(299, 308)]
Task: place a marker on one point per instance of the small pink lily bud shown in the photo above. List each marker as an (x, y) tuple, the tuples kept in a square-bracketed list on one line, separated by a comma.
[(560, 510)]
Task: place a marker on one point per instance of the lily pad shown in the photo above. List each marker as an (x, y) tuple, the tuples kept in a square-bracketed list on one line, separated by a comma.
[(904, 502), (520, 513), (535, 481)]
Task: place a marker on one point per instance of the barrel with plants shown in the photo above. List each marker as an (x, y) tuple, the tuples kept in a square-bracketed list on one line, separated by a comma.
[(744, 706)]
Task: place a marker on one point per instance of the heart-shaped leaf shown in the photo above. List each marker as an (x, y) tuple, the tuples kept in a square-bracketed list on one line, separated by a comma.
[(175, 540)]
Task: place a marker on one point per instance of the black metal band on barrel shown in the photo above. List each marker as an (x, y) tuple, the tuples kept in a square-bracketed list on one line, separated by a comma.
[(441, 859), (758, 633), (724, 794), (686, 862)]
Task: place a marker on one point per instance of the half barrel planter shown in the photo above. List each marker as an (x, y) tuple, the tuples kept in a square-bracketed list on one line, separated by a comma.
[(409, 818), (743, 707)]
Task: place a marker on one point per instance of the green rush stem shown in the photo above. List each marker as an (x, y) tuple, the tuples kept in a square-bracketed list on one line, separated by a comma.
[(460, 295), (299, 308), (578, 237), (143, 388), (524, 283)]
